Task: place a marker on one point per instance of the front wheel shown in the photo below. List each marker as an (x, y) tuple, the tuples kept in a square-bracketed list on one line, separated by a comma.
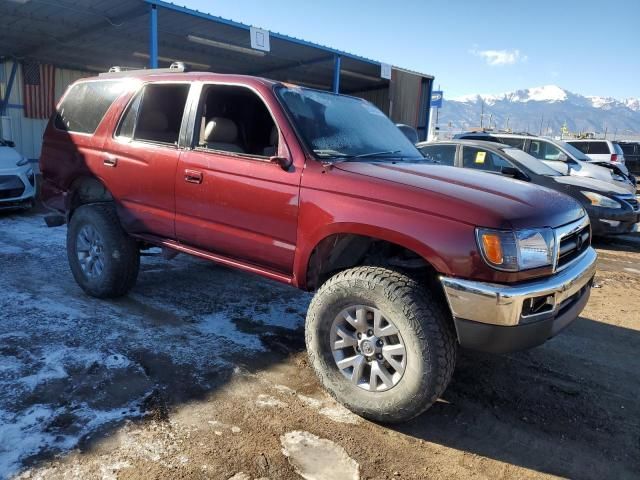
[(104, 260), (380, 343)]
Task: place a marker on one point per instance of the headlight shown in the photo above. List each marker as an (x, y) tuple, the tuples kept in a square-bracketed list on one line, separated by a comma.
[(517, 250), (22, 162), (31, 176), (598, 200)]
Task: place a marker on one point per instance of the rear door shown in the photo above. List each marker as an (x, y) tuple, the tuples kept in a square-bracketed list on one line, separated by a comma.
[(231, 198), (140, 158)]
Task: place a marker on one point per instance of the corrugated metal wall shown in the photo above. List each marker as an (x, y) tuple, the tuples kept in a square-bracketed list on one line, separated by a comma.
[(27, 132), (380, 98)]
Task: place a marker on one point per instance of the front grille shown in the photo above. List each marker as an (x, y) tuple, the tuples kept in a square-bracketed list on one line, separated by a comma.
[(10, 186), (572, 245), (633, 201)]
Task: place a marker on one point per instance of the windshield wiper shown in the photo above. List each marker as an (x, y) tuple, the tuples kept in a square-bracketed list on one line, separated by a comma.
[(376, 154)]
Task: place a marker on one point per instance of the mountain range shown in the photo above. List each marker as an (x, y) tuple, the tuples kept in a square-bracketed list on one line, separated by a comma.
[(542, 110)]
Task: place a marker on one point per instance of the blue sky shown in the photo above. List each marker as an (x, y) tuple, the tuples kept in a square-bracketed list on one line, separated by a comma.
[(491, 46)]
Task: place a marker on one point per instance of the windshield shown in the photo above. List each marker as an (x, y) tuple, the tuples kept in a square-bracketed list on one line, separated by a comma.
[(573, 151), (618, 149), (339, 127), (536, 166)]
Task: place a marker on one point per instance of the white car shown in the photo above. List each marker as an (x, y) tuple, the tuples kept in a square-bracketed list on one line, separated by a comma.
[(17, 179), (604, 151)]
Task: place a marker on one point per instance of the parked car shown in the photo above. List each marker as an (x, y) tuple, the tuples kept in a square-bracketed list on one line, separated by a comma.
[(17, 179), (611, 209), (601, 151), (560, 156), (408, 260), (631, 151)]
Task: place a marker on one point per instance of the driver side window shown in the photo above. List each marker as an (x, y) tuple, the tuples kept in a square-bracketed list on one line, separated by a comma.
[(544, 150), (235, 120), (481, 159)]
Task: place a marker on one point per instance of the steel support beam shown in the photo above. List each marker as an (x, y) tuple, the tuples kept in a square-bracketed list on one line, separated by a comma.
[(7, 95), (336, 74), (153, 37)]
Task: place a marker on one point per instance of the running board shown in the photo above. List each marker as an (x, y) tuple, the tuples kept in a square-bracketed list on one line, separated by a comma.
[(247, 267)]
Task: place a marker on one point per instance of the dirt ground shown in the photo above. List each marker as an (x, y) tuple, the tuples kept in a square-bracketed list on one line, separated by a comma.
[(201, 373)]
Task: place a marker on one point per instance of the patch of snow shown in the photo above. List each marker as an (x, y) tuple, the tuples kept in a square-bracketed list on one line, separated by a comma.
[(315, 458), (220, 324), (310, 401), (340, 414), (269, 401), (285, 389)]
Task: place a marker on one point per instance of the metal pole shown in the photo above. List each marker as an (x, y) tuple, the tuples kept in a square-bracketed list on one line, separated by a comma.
[(12, 77), (336, 74), (153, 38)]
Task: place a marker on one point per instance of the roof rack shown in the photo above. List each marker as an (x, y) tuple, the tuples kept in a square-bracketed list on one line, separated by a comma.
[(118, 71)]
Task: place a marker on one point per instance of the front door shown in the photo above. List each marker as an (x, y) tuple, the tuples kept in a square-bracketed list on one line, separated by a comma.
[(231, 199)]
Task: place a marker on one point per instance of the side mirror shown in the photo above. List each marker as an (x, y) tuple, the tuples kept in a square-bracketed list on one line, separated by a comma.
[(511, 172), (409, 132), (284, 162), (563, 157)]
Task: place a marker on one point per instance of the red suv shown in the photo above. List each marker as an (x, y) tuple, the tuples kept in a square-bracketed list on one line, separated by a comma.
[(408, 259)]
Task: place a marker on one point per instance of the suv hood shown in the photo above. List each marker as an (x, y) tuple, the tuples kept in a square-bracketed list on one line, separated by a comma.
[(477, 198)]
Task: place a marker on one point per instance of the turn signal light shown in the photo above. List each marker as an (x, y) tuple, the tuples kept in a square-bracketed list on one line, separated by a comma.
[(492, 248)]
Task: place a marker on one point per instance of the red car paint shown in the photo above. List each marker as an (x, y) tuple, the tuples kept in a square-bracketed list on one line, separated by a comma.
[(256, 216)]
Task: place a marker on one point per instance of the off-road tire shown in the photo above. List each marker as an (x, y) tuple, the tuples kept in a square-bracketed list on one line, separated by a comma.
[(423, 321), (122, 256)]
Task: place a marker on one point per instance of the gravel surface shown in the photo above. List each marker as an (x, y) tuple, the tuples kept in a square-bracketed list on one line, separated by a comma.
[(201, 373)]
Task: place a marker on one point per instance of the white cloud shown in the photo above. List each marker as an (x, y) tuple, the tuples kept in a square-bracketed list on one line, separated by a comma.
[(500, 57)]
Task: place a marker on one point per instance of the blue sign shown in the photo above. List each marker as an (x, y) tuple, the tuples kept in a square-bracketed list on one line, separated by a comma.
[(436, 99)]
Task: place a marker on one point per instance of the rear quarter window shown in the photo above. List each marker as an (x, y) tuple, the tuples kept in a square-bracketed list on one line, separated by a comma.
[(598, 148), (582, 146), (84, 106)]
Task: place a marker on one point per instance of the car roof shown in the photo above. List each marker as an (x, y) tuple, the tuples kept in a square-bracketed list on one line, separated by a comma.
[(165, 76), (471, 143)]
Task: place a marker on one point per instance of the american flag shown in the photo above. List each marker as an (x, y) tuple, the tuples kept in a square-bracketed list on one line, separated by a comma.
[(38, 83)]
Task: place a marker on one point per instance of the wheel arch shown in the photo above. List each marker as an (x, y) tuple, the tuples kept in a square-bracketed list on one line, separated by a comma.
[(348, 245)]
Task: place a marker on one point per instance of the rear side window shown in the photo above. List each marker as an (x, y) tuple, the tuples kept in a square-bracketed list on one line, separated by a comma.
[(582, 146), (598, 148), (84, 106), (440, 154), (514, 142), (155, 115)]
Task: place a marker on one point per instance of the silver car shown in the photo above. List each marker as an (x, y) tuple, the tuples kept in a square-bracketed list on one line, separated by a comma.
[(17, 178)]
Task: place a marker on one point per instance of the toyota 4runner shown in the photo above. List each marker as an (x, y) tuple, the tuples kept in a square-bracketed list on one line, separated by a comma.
[(408, 260)]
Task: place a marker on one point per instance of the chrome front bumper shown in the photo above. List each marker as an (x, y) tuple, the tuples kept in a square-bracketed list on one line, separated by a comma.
[(503, 305)]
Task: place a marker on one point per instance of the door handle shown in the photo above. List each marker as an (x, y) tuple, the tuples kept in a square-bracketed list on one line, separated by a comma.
[(110, 161), (192, 176)]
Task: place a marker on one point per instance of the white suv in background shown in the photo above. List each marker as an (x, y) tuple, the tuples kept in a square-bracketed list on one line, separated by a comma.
[(17, 178), (601, 151)]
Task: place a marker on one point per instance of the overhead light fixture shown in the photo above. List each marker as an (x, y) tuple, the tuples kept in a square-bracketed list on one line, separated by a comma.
[(172, 60), (225, 46), (361, 76)]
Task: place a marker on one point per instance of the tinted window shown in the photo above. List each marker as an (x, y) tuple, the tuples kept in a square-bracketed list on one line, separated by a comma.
[(160, 113), (598, 148), (627, 148), (441, 154), (84, 106), (514, 142), (481, 159), (582, 146), (544, 150)]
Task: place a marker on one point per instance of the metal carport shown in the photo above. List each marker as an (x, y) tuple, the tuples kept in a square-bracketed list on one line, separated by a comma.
[(91, 35)]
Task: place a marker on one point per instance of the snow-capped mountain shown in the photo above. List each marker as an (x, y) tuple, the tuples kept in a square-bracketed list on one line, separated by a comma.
[(543, 109)]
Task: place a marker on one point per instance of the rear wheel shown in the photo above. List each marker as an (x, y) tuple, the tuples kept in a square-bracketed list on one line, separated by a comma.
[(380, 343), (104, 260)]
